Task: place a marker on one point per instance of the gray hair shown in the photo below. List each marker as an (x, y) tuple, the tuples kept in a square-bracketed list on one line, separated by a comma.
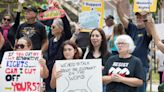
[(59, 23), (126, 39)]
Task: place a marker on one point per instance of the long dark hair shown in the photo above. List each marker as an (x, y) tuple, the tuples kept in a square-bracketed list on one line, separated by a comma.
[(73, 44), (103, 46)]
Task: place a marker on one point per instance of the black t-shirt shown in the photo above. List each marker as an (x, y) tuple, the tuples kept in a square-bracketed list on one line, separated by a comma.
[(128, 67), (36, 32), (104, 58)]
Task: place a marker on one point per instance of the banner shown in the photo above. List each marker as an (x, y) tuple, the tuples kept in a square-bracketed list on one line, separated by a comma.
[(53, 11), (92, 6), (145, 5), (20, 71), (79, 75)]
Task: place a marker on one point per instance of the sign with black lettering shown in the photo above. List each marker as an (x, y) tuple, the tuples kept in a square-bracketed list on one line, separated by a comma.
[(145, 5), (20, 71), (79, 75)]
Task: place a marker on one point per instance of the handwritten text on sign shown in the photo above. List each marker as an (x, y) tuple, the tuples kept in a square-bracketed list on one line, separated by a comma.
[(86, 72), (21, 71)]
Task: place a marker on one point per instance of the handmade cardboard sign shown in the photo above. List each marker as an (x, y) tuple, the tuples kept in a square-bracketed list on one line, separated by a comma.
[(79, 75), (20, 72), (145, 5)]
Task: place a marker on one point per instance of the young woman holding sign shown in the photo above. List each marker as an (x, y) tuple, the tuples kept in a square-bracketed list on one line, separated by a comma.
[(69, 50), (25, 44)]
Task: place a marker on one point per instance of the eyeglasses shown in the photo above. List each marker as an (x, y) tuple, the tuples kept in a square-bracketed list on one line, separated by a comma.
[(19, 46), (121, 43), (6, 19)]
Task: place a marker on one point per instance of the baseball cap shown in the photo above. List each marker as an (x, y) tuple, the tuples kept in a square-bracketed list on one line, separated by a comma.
[(109, 17), (31, 8), (141, 13)]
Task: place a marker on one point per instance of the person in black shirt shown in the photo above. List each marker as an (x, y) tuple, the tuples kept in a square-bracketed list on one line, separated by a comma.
[(123, 72)]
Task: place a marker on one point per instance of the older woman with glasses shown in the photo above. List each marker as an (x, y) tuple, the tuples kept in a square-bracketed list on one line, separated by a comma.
[(25, 44), (123, 72)]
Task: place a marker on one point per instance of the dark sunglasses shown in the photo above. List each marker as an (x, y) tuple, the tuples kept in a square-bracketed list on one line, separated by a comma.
[(19, 46), (6, 19)]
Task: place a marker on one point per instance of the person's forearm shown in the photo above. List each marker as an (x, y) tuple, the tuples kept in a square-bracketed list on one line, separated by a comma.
[(160, 46), (53, 82), (150, 26), (133, 82), (1, 41), (45, 72), (121, 15), (106, 79), (44, 45)]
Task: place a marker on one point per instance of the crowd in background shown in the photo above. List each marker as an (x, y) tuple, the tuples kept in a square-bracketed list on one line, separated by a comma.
[(124, 45)]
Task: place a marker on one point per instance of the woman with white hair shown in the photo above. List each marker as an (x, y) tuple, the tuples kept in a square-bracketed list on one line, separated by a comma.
[(123, 72)]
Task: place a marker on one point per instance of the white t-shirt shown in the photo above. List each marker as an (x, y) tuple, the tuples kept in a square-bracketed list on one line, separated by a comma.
[(160, 56), (108, 30)]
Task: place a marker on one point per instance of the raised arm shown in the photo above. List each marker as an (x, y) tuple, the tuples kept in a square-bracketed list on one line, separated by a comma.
[(120, 13), (152, 30)]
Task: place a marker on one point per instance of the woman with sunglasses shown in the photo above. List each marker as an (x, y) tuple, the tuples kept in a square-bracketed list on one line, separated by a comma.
[(123, 72), (61, 31), (9, 31), (69, 51), (25, 44)]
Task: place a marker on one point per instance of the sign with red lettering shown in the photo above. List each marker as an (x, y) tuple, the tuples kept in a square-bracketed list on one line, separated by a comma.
[(20, 71), (51, 14)]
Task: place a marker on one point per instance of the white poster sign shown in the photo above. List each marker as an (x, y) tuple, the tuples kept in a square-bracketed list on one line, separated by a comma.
[(20, 71), (79, 75)]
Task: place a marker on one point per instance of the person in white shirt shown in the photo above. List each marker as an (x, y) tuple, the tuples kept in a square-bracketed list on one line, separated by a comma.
[(108, 29)]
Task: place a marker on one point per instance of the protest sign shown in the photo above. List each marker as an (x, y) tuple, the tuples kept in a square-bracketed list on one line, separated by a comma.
[(96, 6), (145, 5), (20, 71), (89, 20), (51, 14), (79, 75)]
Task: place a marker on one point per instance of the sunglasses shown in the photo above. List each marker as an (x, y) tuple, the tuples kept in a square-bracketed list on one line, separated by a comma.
[(6, 19), (21, 46), (54, 27)]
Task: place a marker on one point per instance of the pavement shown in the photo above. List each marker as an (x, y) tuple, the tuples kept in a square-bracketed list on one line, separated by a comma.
[(154, 87)]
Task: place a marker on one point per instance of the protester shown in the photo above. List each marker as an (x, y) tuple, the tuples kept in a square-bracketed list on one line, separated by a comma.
[(69, 51), (123, 72), (25, 44), (33, 30), (117, 30), (139, 34), (98, 46), (9, 31), (61, 31), (108, 29)]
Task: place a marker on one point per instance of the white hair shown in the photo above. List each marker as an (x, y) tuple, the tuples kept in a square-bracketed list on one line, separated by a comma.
[(126, 39), (58, 22)]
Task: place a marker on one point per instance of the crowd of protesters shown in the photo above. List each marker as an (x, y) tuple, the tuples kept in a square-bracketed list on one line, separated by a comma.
[(118, 48)]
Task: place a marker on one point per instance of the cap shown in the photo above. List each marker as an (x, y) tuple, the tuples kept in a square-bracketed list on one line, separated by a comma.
[(141, 13), (30, 8), (109, 17), (137, 13)]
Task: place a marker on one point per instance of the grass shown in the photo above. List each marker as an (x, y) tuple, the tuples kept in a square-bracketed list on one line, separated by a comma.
[(155, 80)]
